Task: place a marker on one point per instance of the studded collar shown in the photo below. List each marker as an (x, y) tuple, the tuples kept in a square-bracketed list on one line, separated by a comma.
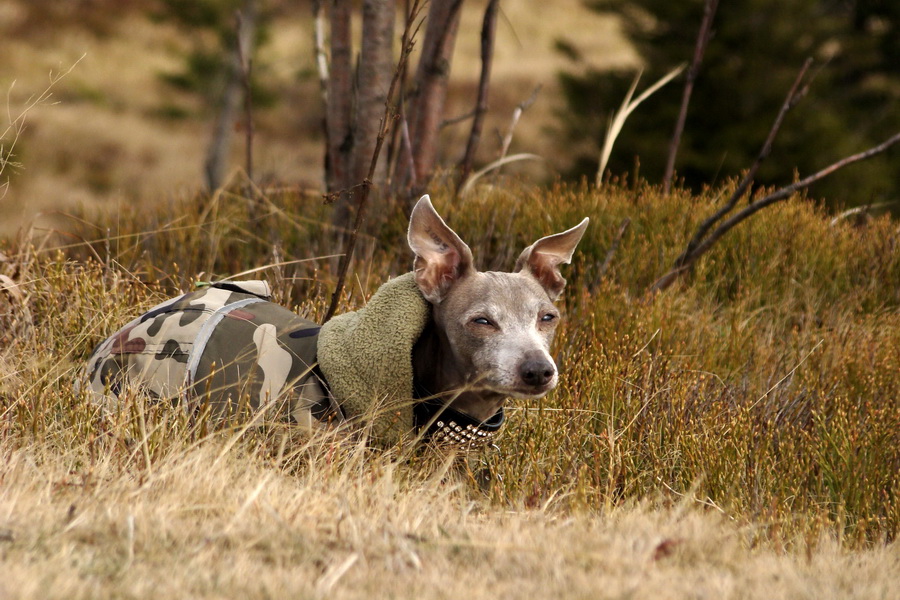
[(447, 426)]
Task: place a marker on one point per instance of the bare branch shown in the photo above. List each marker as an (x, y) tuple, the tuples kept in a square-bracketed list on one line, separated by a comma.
[(458, 119), (488, 31), (793, 96), (777, 196), (517, 114), (709, 11), (610, 254)]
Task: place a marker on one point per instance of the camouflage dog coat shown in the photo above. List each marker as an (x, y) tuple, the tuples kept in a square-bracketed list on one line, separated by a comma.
[(225, 344), (229, 346)]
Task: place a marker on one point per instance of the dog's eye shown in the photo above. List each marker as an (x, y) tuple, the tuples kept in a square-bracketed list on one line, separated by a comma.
[(481, 321), (548, 317)]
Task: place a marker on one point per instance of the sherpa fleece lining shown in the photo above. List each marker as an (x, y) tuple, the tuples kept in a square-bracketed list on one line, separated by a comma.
[(366, 357)]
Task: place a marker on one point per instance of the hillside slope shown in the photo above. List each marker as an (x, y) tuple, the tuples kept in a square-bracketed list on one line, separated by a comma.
[(109, 133)]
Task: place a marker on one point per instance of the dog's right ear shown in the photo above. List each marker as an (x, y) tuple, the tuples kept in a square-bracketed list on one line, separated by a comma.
[(442, 258)]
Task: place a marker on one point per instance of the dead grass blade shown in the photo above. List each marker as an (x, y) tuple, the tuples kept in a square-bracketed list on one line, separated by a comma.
[(470, 183), (618, 120)]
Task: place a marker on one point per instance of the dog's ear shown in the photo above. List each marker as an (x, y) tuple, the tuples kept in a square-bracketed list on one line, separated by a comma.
[(442, 258), (542, 258)]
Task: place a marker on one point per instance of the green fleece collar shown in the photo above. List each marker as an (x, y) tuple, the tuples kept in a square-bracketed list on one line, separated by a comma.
[(366, 357)]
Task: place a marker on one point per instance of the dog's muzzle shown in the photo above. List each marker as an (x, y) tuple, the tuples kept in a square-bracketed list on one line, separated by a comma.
[(449, 427)]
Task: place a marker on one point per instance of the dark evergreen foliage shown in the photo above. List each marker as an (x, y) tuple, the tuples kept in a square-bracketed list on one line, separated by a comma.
[(756, 51)]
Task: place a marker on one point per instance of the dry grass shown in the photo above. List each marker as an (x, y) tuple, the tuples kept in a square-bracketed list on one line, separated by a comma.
[(735, 437), (248, 527)]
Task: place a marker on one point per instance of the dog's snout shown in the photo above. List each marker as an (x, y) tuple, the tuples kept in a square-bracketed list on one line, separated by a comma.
[(537, 372)]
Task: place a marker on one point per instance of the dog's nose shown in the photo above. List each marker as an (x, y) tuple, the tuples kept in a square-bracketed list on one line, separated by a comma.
[(536, 372)]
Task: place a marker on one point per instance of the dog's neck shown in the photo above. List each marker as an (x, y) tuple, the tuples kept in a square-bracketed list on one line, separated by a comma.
[(437, 374)]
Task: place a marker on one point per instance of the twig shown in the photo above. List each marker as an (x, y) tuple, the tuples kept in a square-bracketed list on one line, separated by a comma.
[(488, 31), (407, 144), (517, 114), (400, 145), (613, 248), (709, 11), (409, 32), (458, 119), (785, 192), (793, 96), (246, 65)]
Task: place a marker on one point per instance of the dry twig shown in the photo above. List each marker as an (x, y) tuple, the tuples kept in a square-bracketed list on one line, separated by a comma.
[(517, 114), (793, 96), (666, 280), (709, 11), (488, 30)]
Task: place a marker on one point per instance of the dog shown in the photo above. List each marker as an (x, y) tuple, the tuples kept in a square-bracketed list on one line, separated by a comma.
[(434, 353)]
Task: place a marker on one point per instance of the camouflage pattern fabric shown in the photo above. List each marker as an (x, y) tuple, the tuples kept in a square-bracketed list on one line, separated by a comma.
[(225, 345)]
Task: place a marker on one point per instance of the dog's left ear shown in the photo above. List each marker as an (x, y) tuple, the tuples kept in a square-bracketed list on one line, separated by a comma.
[(542, 258)]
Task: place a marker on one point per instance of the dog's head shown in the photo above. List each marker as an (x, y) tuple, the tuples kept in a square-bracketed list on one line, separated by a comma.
[(498, 326)]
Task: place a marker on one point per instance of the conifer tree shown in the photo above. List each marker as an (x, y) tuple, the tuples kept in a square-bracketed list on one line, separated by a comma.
[(756, 50)]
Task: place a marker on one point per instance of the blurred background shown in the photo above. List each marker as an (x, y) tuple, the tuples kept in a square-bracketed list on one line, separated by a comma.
[(133, 117)]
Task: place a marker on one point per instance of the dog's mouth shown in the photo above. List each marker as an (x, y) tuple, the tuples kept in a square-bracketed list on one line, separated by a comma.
[(531, 392), (520, 389)]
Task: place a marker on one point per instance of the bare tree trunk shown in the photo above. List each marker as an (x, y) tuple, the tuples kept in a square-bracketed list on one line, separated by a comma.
[(216, 163), (376, 66), (430, 88), (337, 111), (385, 124), (321, 54)]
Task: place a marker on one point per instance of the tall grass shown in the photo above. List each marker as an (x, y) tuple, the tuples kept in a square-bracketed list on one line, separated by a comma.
[(764, 387)]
